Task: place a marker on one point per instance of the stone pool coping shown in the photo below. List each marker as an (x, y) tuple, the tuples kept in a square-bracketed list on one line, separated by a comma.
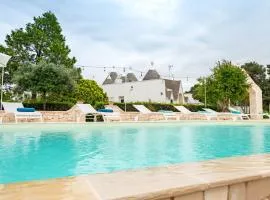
[(158, 183), (210, 122)]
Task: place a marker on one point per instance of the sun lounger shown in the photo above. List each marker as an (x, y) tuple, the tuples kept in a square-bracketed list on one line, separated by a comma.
[(89, 109), (208, 110), (20, 112), (239, 113), (219, 114), (109, 115), (166, 114), (184, 110), (142, 109)]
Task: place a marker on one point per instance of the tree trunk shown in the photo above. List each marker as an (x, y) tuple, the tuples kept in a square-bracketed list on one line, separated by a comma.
[(44, 101), (34, 95)]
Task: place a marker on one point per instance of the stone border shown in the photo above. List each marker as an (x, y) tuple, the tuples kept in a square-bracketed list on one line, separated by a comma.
[(237, 178)]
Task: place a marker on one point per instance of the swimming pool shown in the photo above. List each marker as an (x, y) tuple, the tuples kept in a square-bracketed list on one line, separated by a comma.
[(42, 151)]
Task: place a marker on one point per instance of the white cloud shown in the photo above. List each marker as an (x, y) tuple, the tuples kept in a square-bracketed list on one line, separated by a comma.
[(158, 11), (191, 35)]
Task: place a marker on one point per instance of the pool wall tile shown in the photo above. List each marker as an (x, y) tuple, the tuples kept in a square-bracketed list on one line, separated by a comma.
[(220, 193), (237, 192), (259, 189), (194, 196)]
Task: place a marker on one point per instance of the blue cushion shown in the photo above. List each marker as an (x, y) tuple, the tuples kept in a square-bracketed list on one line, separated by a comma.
[(26, 109), (165, 111), (105, 110), (235, 112)]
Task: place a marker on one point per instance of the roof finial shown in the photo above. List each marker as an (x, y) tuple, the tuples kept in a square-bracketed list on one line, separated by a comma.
[(152, 64)]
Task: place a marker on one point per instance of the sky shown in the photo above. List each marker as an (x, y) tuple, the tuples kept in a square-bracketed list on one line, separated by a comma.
[(191, 35)]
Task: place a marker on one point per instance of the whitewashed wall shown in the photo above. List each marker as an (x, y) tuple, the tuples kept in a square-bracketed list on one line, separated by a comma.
[(142, 91)]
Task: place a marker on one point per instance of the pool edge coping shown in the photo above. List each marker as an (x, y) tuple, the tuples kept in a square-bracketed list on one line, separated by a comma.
[(197, 177)]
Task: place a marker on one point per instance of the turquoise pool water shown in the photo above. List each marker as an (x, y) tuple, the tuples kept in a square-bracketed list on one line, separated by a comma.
[(34, 152)]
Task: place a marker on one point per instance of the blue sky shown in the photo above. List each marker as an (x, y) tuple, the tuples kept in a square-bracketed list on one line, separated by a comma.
[(189, 34)]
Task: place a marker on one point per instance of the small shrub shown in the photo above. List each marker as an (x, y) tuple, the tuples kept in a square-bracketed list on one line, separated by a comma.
[(99, 105)]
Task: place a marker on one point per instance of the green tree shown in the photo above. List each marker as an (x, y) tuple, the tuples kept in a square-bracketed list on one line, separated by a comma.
[(88, 91), (41, 40), (45, 79), (205, 85), (226, 85), (257, 72)]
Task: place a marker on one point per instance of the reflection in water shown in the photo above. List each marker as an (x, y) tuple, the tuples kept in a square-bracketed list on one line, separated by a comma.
[(257, 139), (186, 150), (41, 153)]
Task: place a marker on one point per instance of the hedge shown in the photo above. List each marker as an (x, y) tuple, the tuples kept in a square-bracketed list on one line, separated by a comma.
[(155, 107), (50, 106), (57, 106), (99, 105)]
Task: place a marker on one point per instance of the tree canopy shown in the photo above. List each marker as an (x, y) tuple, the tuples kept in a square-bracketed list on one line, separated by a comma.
[(45, 79), (41, 40), (257, 72), (88, 91), (227, 84)]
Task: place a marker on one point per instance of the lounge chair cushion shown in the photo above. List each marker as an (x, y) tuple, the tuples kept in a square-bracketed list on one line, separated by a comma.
[(105, 110), (26, 109), (236, 112)]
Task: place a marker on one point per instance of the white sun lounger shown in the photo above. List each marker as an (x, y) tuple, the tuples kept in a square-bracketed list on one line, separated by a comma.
[(89, 109), (142, 109), (239, 113), (184, 110), (234, 116), (167, 115), (12, 108), (209, 110)]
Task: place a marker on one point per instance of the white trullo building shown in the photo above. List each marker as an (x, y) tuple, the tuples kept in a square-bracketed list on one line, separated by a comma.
[(152, 88)]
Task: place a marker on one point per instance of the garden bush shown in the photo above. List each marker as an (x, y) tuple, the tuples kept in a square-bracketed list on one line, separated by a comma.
[(99, 105), (50, 106)]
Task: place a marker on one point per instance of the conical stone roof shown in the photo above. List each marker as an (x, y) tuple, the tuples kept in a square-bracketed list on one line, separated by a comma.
[(152, 74)]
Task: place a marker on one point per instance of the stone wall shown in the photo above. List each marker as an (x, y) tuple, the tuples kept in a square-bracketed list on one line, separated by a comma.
[(75, 116), (255, 99), (252, 190), (48, 116)]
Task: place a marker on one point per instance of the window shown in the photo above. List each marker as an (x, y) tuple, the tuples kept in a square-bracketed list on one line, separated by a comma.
[(122, 99)]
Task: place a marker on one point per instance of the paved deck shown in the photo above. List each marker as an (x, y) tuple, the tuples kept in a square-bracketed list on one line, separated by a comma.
[(152, 183)]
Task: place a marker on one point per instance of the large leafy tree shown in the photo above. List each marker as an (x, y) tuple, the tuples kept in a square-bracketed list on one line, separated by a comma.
[(257, 72), (227, 85), (41, 40), (45, 79), (88, 91)]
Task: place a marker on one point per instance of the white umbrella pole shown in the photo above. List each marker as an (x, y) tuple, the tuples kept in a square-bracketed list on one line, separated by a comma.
[(2, 87)]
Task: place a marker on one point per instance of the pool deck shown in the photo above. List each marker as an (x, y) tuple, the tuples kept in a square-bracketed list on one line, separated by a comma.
[(243, 178)]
